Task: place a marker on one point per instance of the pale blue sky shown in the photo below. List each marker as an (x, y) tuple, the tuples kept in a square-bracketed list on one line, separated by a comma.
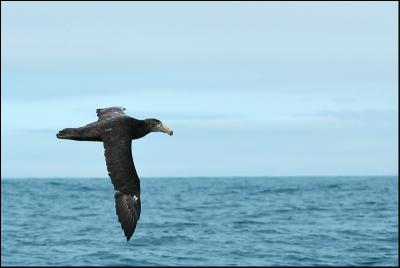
[(249, 88)]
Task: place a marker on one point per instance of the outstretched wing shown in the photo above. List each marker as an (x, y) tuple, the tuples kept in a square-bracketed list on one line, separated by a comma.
[(111, 112), (121, 169)]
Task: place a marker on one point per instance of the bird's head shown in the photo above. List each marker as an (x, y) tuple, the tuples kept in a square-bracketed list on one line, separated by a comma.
[(155, 125)]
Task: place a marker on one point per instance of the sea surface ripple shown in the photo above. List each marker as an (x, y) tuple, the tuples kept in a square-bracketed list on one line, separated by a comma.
[(273, 221)]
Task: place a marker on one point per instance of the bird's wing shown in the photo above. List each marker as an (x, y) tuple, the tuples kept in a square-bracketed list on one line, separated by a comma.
[(111, 112), (117, 145)]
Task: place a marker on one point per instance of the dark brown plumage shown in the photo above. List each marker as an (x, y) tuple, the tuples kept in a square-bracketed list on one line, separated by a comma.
[(117, 130)]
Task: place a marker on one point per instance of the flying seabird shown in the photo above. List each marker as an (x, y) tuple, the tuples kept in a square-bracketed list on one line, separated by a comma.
[(117, 130)]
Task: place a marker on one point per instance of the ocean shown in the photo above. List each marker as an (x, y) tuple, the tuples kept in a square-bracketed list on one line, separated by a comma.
[(272, 221)]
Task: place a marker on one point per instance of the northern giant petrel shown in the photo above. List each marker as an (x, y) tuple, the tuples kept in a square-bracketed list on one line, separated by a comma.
[(117, 130)]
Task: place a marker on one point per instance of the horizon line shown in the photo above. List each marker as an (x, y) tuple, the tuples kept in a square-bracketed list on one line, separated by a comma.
[(194, 177)]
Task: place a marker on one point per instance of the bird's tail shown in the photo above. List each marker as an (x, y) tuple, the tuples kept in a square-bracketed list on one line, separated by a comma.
[(68, 133)]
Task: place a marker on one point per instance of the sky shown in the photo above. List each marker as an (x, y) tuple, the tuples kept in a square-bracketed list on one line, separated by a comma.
[(249, 88)]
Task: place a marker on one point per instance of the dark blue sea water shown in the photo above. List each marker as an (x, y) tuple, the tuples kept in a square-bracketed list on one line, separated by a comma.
[(203, 221)]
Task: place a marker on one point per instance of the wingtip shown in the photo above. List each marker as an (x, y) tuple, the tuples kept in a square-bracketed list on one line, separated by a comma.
[(60, 135), (128, 237)]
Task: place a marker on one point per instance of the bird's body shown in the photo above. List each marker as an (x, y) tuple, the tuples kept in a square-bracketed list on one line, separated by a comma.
[(117, 130)]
